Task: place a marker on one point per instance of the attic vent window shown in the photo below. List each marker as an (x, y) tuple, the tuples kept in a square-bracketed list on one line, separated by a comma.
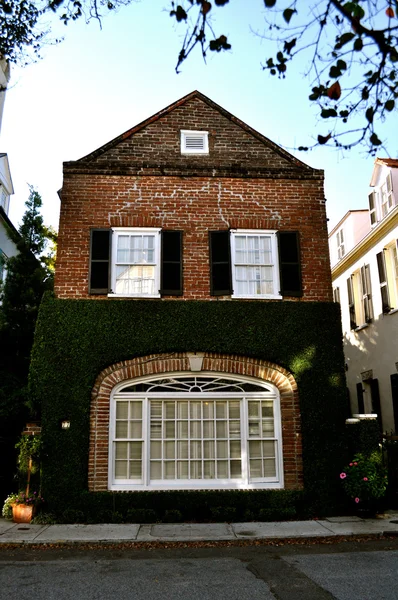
[(194, 142)]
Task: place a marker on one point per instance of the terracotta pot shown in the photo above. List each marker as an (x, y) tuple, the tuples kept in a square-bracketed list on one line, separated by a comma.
[(22, 513)]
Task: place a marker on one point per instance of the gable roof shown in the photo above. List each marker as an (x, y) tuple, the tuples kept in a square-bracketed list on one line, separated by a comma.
[(171, 107), (391, 163)]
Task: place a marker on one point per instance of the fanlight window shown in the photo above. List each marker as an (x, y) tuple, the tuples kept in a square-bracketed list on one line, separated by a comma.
[(195, 432)]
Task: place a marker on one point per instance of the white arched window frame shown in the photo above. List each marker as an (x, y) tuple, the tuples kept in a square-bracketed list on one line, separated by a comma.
[(195, 431)]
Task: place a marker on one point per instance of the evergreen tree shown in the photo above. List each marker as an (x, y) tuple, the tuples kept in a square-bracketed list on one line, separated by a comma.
[(29, 275)]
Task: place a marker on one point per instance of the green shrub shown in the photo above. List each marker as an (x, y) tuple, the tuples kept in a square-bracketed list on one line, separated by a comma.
[(141, 515), (172, 516)]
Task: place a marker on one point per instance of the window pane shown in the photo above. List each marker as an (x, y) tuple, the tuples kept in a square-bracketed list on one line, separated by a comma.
[(269, 468), (135, 429), (254, 409), (122, 410), (208, 429), (222, 449), (121, 429), (209, 470), (196, 469), (156, 430), (195, 410), (234, 429), (156, 470), (268, 429), (236, 469), (170, 429), (170, 470), (182, 449), (208, 449), (121, 450), (256, 470), (196, 449), (156, 450), (121, 469), (135, 469), (254, 428), (222, 469), (182, 410), (255, 449), (221, 410), (170, 410), (182, 470), (196, 430), (169, 449), (269, 449), (234, 410), (267, 409), (235, 449), (182, 429), (156, 409), (221, 427), (135, 450), (208, 410)]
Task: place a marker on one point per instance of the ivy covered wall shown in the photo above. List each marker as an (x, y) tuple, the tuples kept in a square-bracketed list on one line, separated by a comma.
[(76, 339)]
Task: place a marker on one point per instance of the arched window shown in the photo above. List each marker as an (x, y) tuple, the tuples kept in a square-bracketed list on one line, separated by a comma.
[(195, 432)]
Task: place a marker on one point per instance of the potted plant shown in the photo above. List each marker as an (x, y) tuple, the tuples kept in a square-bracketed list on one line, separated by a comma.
[(365, 481), (24, 506)]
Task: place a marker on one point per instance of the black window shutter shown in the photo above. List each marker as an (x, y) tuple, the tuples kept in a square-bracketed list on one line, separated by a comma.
[(289, 263), (394, 394), (381, 265), (361, 405), (171, 267), (375, 395), (100, 244), (220, 263)]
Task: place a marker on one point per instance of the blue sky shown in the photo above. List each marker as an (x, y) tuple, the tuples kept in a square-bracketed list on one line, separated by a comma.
[(98, 83)]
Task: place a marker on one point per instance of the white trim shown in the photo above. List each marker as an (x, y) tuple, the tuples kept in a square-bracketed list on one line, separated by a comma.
[(270, 392)]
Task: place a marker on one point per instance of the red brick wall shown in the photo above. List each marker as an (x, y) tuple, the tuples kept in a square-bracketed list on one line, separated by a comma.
[(141, 179), (217, 363)]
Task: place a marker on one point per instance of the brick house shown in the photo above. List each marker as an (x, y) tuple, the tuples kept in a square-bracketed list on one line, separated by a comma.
[(210, 243)]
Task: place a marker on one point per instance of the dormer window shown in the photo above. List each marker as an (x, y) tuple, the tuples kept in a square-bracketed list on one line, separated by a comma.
[(194, 142)]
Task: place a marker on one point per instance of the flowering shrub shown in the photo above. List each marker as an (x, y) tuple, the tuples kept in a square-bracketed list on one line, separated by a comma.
[(32, 498), (365, 478)]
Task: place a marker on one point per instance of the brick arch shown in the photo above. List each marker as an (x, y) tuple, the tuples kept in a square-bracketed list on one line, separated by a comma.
[(158, 364)]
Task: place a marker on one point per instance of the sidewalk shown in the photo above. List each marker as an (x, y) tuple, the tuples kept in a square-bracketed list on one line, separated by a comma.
[(13, 533)]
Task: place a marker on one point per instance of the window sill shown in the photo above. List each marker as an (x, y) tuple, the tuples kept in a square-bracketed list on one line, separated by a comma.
[(134, 296), (258, 297), (208, 485), (392, 311)]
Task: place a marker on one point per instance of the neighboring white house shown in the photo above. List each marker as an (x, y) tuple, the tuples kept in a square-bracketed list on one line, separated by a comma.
[(364, 261), (8, 247)]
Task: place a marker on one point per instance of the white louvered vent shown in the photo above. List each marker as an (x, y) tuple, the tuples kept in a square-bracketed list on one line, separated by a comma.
[(194, 142)]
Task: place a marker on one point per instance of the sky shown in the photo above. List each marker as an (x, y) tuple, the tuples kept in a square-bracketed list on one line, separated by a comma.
[(99, 82)]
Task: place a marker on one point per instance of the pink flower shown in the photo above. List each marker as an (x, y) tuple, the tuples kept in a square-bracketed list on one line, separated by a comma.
[(365, 479), (351, 464), (343, 475), (355, 464), (357, 500)]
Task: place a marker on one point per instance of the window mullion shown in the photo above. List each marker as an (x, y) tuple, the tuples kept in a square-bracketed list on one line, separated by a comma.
[(146, 432), (244, 443)]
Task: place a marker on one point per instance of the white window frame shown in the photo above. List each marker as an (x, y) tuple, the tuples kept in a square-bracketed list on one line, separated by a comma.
[(270, 393), (272, 234), (203, 135), (119, 231)]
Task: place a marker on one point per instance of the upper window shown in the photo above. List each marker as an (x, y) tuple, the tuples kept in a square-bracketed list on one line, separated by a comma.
[(255, 270), (135, 262), (387, 263), (340, 244), (195, 432), (194, 142), (381, 201), (360, 297), (255, 263)]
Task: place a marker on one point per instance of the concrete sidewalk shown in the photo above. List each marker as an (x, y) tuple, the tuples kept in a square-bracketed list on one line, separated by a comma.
[(12, 533)]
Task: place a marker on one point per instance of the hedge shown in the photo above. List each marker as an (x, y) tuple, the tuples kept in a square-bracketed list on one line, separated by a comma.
[(76, 339)]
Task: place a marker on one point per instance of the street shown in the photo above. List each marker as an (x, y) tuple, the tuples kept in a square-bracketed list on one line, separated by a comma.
[(349, 570)]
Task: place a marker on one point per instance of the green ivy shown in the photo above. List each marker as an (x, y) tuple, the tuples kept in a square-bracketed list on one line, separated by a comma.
[(76, 339)]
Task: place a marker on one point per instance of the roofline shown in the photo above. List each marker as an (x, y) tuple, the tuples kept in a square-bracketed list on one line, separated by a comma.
[(349, 212), (212, 104)]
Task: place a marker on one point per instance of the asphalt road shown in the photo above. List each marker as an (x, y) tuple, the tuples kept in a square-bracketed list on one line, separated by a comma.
[(354, 570)]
